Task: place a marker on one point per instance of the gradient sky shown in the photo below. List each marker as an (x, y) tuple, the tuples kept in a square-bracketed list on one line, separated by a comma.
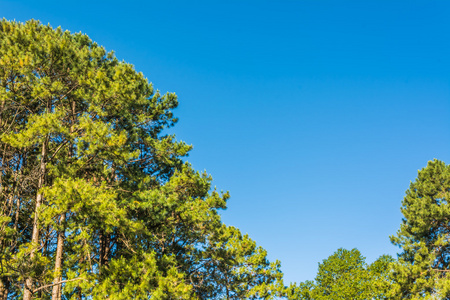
[(315, 115)]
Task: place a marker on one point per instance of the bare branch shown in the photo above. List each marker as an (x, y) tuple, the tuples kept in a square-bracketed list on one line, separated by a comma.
[(50, 285)]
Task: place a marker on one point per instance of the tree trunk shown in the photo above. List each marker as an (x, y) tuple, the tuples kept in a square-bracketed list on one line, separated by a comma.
[(4, 288), (80, 296), (27, 293), (102, 250), (56, 291)]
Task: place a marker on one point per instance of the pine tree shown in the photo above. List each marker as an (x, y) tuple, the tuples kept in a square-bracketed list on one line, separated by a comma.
[(96, 201), (424, 265)]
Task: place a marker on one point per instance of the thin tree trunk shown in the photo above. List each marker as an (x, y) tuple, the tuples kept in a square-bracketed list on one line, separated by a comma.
[(56, 291), (2, 107), (4, 288), (27, 293), (80, 296), (107, 248), (16, 217), (102, 250)]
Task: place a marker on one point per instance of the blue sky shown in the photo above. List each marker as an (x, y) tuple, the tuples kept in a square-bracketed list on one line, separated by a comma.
[(315, 115)]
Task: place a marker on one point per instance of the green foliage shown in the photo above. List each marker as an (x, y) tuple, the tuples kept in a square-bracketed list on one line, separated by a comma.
[(423, 266), (345, 275), (380, 272), (141, 277), (96, 202)]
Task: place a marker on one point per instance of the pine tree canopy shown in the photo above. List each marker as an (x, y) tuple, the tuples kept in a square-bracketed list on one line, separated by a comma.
[(96, 200), (424, 236)]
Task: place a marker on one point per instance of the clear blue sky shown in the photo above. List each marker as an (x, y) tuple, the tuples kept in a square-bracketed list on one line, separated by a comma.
[(315, 115)]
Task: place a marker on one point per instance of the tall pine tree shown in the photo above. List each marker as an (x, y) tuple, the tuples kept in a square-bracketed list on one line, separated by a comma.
[(96, 201), (424, 237)]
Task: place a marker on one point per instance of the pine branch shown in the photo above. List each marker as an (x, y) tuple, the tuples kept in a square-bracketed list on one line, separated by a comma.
[(50, 285)]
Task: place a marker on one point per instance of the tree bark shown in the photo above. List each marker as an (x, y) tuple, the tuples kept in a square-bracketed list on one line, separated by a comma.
[(4, 288), (56, 290), (102, 250), (27, 293)]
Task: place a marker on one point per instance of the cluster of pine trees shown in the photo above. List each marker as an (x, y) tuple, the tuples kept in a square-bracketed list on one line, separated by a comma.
[(96, 201), (422, 268)]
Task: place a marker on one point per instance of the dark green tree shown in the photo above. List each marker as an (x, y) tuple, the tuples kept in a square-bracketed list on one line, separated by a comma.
[(95, 200), (345, 275), (423, 268)]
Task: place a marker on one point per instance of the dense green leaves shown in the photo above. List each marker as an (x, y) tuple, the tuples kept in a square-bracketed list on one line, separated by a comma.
[(96, 202), (345, 275), (423, 267)]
